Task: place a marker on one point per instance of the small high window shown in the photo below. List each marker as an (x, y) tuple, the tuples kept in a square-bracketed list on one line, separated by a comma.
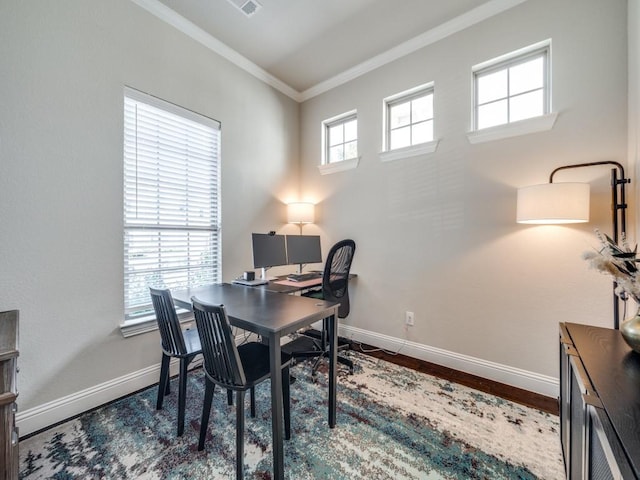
[(512, 88), (341, 138), (409, 118)]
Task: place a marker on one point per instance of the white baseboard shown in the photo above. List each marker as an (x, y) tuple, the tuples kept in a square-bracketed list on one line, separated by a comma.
[(50, 413), (531, 381), (47, 414)]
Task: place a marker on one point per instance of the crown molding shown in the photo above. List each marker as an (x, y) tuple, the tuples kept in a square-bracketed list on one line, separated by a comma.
[(177, 21), (455, 25)]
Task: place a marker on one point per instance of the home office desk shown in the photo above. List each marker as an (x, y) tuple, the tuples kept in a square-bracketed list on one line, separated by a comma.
[(272, 315), (282, 285)]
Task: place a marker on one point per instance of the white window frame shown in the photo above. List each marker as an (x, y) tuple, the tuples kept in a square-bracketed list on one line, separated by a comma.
[(388, 154), (542, 122), (348, 163), (168, 149)]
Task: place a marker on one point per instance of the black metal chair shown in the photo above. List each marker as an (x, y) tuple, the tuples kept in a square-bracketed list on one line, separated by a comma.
[(335, 287), (238, 368), (182, 344)]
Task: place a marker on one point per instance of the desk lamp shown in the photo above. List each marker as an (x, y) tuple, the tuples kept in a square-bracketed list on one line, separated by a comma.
[(300, 213), (558, 203)]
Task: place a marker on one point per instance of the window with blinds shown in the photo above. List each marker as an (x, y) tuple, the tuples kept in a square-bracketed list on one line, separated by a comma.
[(171, 200)]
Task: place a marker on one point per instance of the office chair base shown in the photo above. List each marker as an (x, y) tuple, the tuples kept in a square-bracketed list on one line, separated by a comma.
[(344, 361), (304, 347)]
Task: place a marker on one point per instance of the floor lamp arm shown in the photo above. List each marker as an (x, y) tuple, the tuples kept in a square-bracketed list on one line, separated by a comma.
[(618, 212)]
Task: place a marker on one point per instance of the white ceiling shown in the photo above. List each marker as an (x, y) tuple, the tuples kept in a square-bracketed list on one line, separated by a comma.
[(307, 43)]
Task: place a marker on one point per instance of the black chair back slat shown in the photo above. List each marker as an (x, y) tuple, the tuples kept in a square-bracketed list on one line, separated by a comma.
[(221, 359), (168, 323), (173, 344), (221, 362), (335, 280), (223, 366)]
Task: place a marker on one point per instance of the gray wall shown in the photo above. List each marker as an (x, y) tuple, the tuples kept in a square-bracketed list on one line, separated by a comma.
[(436, 234), (63, 66)]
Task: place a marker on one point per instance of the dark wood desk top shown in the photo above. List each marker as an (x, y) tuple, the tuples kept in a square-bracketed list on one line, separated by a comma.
[(274, 286), (614, 371), (259, 310), (293, 287)]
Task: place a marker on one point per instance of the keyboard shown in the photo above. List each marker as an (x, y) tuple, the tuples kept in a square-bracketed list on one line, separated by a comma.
[(250, 283), (303, 277)]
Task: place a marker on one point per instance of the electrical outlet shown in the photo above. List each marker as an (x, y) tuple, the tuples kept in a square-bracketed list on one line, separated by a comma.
[(408, 318)]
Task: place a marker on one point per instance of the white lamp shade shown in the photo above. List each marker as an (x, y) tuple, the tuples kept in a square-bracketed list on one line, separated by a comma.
[(553, 203), (300, 212)]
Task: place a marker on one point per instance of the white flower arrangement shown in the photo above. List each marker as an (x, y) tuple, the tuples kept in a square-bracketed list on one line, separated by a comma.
[(619, 261)]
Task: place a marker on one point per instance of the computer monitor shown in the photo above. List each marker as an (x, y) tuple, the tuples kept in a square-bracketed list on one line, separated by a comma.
[(303, 249), (268, 251)]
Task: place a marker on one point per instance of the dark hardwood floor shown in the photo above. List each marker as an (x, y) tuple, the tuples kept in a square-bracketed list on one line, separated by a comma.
[(518, 395)]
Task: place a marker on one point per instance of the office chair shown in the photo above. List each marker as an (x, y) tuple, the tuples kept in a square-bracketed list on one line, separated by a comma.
[(183, 344), (238, 368), (335, 287)]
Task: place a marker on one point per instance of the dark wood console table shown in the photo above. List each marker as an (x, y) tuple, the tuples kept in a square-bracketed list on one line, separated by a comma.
[(599, 404), (8, 395)]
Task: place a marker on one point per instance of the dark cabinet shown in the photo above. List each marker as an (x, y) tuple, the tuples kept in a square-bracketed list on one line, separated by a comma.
[(599, 404), (8, 395)]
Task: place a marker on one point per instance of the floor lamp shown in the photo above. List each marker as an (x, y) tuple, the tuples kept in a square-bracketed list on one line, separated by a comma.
[(557, 203), (300, 213)]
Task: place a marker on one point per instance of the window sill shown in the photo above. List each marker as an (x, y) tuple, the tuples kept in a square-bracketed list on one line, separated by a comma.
[(523, 127), (148, 324), (412, 151), (339, 166)]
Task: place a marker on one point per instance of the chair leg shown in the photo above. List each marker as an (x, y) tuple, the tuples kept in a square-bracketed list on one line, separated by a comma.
[(316, 364), (239, 434), (348, 362), (286, 395), (163, 385), (324, 340), (182, 394), (252, 396), (229, 397), (206, 410)]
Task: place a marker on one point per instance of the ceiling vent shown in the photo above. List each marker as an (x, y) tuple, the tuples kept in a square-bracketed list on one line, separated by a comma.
[(248, 7)]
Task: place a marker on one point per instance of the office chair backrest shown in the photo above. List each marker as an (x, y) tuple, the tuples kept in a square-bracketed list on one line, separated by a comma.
[(335, 280), (221, 359), (168, 324)]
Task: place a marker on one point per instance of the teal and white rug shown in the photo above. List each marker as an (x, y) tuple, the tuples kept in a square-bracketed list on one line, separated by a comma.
[(393, 423)]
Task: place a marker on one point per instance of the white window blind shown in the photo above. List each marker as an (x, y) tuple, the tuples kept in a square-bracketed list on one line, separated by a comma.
[(171, 200)]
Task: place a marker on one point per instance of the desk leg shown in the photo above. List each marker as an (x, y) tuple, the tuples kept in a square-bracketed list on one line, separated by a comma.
[(277, 434), (333, 367)]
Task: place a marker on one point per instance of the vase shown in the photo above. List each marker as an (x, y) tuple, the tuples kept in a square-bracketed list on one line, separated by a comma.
[(630, 330)]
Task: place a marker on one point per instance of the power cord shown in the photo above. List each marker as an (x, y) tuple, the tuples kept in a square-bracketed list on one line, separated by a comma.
[(373, 350)]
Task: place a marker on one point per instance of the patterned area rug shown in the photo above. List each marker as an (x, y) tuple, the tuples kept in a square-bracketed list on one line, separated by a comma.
[(393, 423)]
